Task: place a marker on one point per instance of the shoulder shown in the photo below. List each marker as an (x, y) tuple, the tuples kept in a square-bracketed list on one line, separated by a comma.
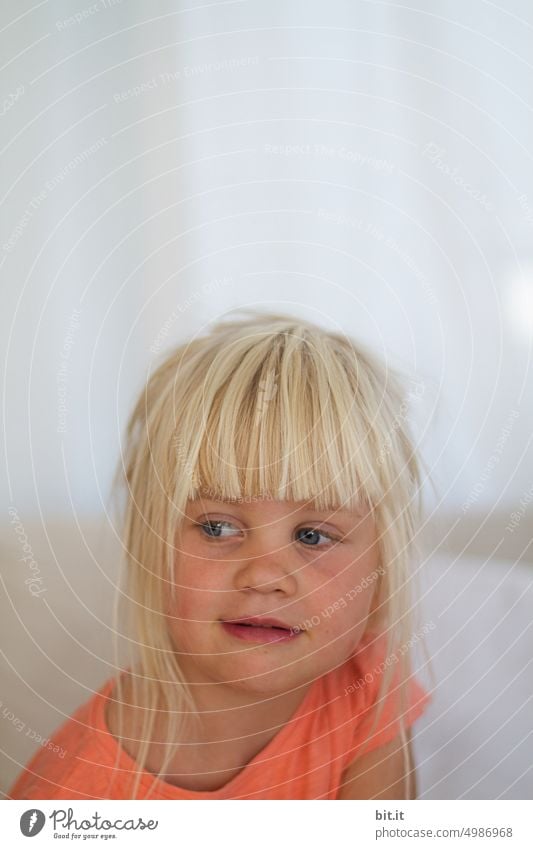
[(386, 772), (385, 700), (49, 773)]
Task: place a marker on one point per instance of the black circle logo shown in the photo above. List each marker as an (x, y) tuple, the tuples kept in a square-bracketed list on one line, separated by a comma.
[(31, 822)]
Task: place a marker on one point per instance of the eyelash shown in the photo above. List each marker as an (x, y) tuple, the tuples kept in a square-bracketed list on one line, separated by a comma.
[(202, 524)]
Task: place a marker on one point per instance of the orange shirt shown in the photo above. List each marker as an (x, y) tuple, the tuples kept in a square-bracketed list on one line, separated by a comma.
[(304, 760)]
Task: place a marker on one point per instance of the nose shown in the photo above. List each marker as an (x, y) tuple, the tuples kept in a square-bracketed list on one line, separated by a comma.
[(266, 572)]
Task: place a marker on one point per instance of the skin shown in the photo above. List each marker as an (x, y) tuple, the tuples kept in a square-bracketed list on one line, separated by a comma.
[(263, 564)]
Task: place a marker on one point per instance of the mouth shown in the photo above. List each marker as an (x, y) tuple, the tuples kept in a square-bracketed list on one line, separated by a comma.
[(260, 630)]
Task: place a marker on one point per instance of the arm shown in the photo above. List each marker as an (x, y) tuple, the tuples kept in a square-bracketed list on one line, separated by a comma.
[(381, 774)]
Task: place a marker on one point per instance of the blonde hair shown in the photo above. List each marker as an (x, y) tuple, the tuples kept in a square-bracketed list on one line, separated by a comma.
[(275, 406)]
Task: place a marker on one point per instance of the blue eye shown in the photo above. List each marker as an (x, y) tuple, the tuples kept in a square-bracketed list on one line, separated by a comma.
[(214, 529), (311, 536), (219, 529)]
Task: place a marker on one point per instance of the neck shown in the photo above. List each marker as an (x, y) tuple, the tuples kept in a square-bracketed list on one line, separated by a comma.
[(233, 727), (226, 712)]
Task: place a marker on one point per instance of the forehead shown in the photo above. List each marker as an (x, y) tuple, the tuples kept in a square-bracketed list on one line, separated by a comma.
[(264, 508)]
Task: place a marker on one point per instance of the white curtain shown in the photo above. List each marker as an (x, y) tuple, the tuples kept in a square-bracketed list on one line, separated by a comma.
[(365, 164)]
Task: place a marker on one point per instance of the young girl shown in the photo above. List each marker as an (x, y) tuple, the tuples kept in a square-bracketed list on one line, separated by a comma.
[(269, 534)]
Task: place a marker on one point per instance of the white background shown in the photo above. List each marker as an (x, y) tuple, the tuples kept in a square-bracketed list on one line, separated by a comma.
[(178, 183)]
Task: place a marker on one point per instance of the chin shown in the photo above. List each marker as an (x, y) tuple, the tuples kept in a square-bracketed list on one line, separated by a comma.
[(271, 679)]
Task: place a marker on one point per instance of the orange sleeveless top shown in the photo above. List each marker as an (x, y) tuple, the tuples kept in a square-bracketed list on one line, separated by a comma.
[(304, 760)]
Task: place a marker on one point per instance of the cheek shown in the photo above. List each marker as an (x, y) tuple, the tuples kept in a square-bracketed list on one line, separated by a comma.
[(343, 604), (198, 593), (195, 576), (347, 614), (187, 614)]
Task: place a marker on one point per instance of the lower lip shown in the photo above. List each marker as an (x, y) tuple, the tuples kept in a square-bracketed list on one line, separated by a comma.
[(252, 634)]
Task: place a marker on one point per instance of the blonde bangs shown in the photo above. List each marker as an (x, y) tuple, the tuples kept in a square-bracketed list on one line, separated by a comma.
[(280, 417)]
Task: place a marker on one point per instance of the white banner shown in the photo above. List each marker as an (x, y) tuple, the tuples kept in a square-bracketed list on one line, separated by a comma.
[(268, 825)]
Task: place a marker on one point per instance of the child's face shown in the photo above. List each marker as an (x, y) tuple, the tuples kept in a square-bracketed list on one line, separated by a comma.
[(313, 572)]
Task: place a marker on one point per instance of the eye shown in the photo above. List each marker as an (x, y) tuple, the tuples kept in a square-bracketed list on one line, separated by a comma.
[(218, 529), (311, 536)]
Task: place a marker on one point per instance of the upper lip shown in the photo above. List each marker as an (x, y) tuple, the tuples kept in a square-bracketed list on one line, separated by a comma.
[(260, 620)]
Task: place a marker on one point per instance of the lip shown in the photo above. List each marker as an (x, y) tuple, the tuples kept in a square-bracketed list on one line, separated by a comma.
[(267, 630), (265, 621)]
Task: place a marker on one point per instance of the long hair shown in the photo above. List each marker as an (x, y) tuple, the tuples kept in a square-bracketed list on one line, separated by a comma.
[(263, 405)]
